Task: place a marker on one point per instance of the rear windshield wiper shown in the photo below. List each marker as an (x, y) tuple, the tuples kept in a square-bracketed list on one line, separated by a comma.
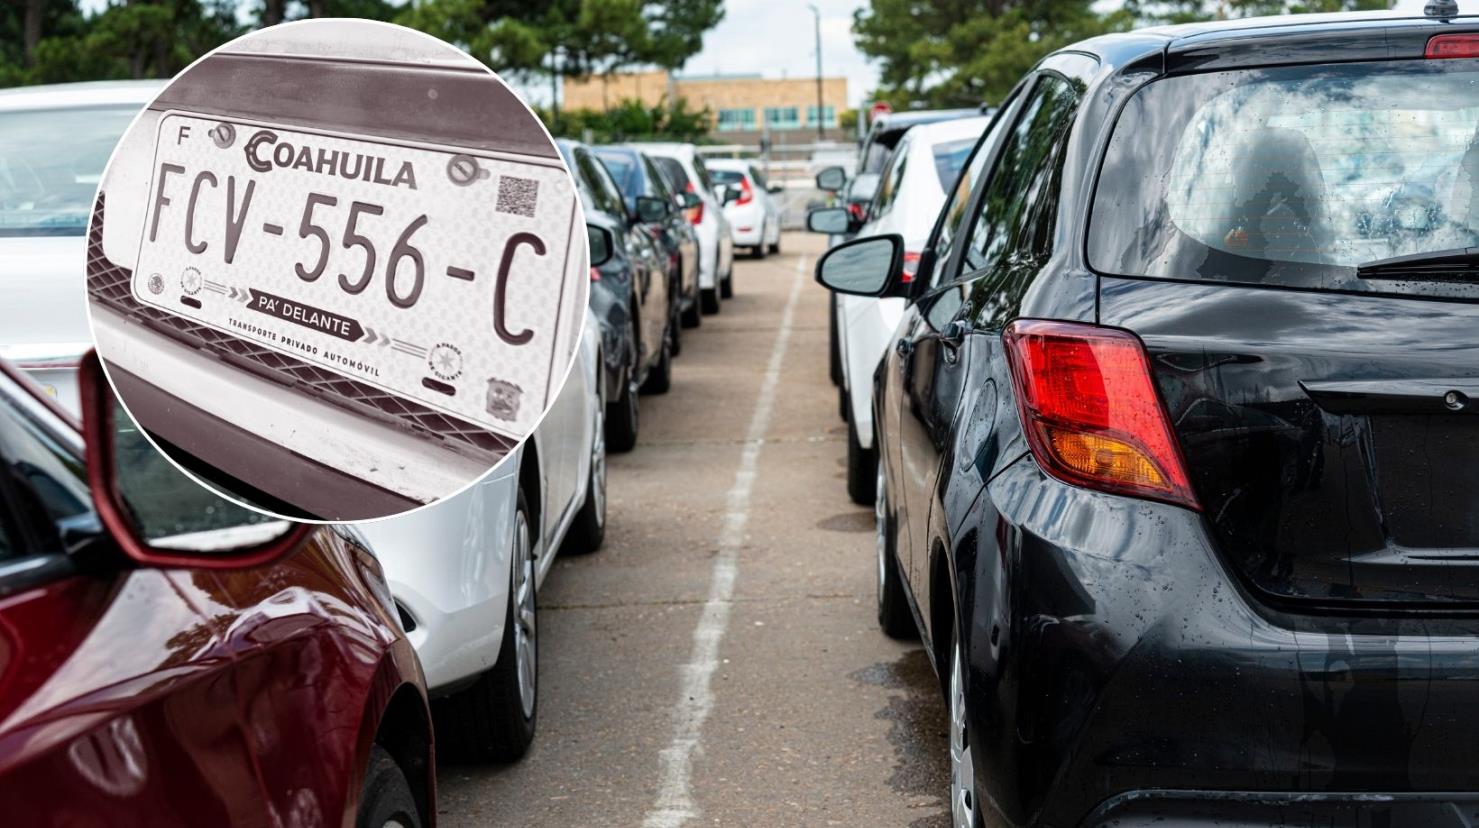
[(1460, 264)]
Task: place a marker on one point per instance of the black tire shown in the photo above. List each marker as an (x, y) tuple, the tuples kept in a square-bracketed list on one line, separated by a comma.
[(894, 617), (834, 350), (708, 299), (675, 328), (758, 251), (660, 378), (621, 421), (862, 469), (775, 248), (726, 285), (486, 722), (385, 797), (588, 529), (843, 412), (693, 316)]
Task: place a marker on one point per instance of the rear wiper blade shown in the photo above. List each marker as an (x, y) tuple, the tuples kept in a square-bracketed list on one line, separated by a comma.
[(1460, 264)]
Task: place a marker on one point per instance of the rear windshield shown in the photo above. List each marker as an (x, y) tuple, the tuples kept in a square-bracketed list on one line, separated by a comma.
[(674, 171), (1294, 176), (726, 176), (949, 158), (50, 163), (623, 168)]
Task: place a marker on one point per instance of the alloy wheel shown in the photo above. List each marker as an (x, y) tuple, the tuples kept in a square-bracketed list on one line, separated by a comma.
[(598, 468), (880, 531), (526, 633), (962, 762)]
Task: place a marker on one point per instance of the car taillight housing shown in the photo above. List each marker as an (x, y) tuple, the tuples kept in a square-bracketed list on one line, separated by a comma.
[(595, 275), (911, 265), (747, 195), (1453, 46), (695, 214), (1090, 410)]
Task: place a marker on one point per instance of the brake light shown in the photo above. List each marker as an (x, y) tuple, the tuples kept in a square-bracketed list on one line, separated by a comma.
[(856, 210), (746, 194), (911, 266), (1453, 46), (695, 214), (1091, 412)]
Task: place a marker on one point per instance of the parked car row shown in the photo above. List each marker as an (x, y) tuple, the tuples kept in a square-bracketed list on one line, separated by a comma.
[(1173, 419), (456, 603)]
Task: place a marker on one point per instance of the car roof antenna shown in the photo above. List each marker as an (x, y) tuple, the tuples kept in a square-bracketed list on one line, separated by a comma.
[(1441, 9)]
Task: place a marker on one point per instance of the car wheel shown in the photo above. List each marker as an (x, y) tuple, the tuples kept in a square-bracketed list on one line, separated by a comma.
[(709, 299), (726, 287), (775, 246), (385, 799), (588, 530), (675, 329), (834, 351), (493, 720), (759, 251), (660, 378), (692, 316), (964, 806), (621, 418), (862, 468), (893, 605), (842, 412)]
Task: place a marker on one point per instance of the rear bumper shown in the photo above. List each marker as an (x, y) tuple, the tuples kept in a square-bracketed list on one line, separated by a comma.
[(1240, 809), (1129, 659)]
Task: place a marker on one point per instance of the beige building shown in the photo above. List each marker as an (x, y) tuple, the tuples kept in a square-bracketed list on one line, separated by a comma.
[(743, 107)]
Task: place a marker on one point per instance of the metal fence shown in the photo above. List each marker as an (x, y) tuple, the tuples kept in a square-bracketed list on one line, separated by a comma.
[(794, 167)]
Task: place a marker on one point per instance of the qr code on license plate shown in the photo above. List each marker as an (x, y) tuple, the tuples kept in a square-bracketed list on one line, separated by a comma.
[(517, 195)]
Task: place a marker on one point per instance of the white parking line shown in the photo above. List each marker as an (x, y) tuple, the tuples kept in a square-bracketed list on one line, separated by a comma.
[(674, 805)]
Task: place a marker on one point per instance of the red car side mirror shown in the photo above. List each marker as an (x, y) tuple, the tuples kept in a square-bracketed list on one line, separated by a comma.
[(256, 541)]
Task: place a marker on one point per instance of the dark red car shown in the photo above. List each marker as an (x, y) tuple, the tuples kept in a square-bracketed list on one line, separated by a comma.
[(168, 658)]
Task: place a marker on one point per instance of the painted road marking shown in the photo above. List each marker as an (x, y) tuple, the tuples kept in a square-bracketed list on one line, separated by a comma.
[(674, 805)]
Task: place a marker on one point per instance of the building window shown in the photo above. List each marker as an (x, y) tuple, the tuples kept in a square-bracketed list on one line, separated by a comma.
[(735, 120), (829, 116), (782, 117)]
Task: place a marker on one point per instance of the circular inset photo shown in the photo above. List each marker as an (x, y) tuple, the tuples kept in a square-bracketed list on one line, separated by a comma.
[(337, 270)]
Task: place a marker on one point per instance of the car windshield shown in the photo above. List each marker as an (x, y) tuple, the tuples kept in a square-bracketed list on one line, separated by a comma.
[(50, 163), (949, 158), (623, 168), (1294, 176), (726, 176)]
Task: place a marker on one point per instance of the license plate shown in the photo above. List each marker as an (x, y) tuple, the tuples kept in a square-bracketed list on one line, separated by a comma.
[(434, 273)]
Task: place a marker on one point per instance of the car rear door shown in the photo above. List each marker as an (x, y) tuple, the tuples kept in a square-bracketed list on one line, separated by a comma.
[(1008, 241), (117, 704)]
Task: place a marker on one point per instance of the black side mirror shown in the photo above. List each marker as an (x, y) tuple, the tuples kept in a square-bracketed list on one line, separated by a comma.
[(728, 195), (149, 507), (651, 210), (830, 220), (775, 189), (872, 266), (602, 244), (832, 179)]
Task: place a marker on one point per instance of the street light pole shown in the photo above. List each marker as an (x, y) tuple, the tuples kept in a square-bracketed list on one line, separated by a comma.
[(821, 120)]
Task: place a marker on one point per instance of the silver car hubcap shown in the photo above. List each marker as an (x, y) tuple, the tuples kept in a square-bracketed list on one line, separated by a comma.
[(962, 764), (880, 530), (525, 632), (598, 468)]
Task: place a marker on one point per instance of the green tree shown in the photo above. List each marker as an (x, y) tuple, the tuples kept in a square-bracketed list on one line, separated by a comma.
[(556, 39), (968, 52)]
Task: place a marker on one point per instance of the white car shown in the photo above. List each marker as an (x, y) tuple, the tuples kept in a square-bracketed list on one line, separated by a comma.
[(54, 143), (687, 172), (339, 433), (754, 214), (465, 572), (911, 192)]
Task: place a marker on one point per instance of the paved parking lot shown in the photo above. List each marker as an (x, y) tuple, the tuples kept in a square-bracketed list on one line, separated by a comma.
[(718, 661)]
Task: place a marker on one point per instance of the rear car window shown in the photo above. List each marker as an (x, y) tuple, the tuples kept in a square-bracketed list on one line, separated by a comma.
[(623, 168), (949, 158), (1295, 176), (50, 163), (703, 173), (674, 171), (726, 176)]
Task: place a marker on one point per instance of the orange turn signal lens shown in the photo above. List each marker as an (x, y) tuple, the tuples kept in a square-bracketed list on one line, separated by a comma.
[(1104, 458)]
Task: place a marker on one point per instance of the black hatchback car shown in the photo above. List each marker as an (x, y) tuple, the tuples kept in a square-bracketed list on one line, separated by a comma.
[(1179, 455)]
